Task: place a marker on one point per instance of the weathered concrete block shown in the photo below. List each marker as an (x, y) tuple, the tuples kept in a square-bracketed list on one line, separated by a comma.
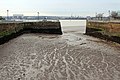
[(11, 30), (104, 30)]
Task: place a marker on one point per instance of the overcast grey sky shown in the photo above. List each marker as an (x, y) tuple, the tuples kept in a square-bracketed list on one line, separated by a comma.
[(58, 7)]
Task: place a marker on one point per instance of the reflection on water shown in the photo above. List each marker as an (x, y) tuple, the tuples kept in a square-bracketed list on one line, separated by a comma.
[(73, 25)]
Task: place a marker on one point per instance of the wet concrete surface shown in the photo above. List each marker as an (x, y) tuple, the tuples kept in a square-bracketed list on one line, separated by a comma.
[(71, 56)]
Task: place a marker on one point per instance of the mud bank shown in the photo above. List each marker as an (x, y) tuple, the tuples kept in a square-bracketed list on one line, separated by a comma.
[(71, 56), (12, 30)]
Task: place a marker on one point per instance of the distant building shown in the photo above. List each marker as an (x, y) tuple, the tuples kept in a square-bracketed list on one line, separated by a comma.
[(115, 15), (18, 17), (1, 18), (118, 13), (45, 19), (88, 17)]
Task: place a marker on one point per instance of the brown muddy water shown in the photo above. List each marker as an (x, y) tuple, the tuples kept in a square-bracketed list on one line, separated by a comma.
[(71, 56)]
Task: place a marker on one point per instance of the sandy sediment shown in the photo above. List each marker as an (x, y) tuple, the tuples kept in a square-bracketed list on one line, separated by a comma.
[(71, 56)]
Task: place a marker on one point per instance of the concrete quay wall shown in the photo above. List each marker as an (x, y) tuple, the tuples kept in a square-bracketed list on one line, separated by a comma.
[(107, 26), (105, 30), (11, 30)]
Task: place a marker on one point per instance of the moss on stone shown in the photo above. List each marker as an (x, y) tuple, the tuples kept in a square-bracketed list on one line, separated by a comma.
[(4, 33)]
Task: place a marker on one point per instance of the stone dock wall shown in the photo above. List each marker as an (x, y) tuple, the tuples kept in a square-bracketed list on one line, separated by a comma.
[(11, 30), (105, 30)]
